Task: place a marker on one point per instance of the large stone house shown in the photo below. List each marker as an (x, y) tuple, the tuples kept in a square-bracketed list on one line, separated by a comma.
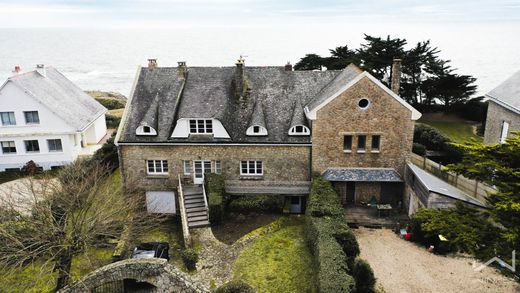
[(503, 114), (46, 118), (267, 130)]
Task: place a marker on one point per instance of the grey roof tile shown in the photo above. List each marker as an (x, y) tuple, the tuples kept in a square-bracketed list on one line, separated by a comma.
[(61, 96), (298, 116), (508, 92), (258, 116), (362, 175)]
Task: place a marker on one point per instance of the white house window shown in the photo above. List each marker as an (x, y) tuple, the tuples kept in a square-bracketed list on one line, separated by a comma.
[(505, 130), (376, 143), (256, 130), (7, 118), (251, 168), (156, 167), (361, 143), (146, 129), (32, 146), (218, 167), (8, 147), (201, 126), (31, 117), (187, 167), (299, 130), (54, 145)]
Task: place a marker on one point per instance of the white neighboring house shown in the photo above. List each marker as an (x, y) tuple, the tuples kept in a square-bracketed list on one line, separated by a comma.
[(46, 118)]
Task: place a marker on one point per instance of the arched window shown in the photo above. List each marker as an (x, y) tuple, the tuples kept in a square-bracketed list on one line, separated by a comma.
[(299, 130), (145, 130), (256, 130)]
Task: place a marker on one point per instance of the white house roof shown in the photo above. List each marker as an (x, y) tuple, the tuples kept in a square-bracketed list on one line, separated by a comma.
[(507, 93), (61, 96)]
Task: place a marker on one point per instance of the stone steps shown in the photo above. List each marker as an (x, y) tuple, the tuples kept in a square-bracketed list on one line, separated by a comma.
[(196, 212)]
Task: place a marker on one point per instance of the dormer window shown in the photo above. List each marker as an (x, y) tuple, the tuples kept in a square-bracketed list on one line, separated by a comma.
[(299, 130), (145, 130), (256, 130), (201, 126)]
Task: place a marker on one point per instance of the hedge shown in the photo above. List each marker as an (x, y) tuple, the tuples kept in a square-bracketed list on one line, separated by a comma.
[(111, 104), (323, 200), (364, 276), (235, 286), (256, 203), (215, 189)]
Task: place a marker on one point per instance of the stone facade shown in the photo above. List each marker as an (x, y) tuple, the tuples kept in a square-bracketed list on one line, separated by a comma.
[(281, 164), (496, 115), (154, 271), (384, 116)]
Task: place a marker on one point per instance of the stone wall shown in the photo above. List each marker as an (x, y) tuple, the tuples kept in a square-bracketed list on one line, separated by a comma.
[(365, 191), (280, 163), (384, 116), (496, 115)]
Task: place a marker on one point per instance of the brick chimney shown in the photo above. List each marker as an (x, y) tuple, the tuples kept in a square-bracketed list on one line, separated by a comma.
[(239, 77), (182, 69), (288, 66), (152, 64), (40, 68), (396, 76)]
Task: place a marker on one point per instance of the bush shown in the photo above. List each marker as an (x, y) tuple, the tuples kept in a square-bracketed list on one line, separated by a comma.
[(111, 104), (419, 149), (347, 240), (31, 168), (323, 200), (364, 276), (190, 258), (256, 203), (215, 189), (107, 154), (430, 137), (112, 121), (235, 286)]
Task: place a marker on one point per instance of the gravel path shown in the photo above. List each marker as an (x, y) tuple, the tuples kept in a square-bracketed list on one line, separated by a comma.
[(401, 266)]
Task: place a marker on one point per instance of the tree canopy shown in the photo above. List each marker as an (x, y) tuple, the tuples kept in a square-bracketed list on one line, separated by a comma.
[(425, 78)]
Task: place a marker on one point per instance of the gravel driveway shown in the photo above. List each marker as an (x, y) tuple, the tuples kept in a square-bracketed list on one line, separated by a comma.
[(401, 266)]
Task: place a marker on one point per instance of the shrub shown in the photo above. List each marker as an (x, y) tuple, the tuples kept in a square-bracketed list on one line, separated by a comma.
[(111, 104), (190, 258), (364, 276), (235, 286), (215, 189), (430, 137), (31, 168), (419, 149), (107, 154), (347, 240), (256, 203), (112, 121), (323, 200)]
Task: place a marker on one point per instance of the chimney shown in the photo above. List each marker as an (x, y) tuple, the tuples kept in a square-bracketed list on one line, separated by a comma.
[(152, 64), (17, 69), (40, 68), (288, 66), (182, 69), (239, 77), (396, 76)]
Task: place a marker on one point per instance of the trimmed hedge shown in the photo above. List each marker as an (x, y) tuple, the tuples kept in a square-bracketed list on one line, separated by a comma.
[(256, 203), (235, 286), (215, 189), (190, 258), (332, 243)]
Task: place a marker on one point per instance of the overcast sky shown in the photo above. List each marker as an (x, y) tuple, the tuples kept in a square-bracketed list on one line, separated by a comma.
[(172, 13)]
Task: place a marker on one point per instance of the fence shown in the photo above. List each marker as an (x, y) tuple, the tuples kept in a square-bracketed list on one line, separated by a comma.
[(477, 189)]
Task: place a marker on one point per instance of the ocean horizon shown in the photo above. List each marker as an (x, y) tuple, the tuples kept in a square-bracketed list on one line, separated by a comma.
[(107, 59)]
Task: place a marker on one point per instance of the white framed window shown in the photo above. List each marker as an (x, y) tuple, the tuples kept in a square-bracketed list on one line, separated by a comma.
[(376, 143), (251, 168), (31, 117), (7, 118), (505, 130), (218, 167), (54, 145), (32, 146), (299, 130), (201, 126), (147, 129), (8, 147), (187, 167), (256, 130), (157, 167)]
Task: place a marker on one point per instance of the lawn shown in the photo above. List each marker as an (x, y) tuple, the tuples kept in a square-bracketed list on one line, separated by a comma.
[(458, 131), (279, 261)]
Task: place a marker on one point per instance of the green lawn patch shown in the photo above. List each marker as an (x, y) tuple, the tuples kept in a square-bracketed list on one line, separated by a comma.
[(279, 261), (457, 131)]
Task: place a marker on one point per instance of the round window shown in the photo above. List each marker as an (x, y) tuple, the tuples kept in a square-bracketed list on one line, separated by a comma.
[(363, 103)]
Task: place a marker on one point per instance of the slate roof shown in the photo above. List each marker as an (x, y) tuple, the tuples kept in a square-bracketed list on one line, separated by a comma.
[(208, 93), (507, 93), (258, 116), (298, 117), (61, 96), (362, 175), (436, 185)]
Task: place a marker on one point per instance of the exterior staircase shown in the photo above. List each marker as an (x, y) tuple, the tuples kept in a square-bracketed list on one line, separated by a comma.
[(196, 210)]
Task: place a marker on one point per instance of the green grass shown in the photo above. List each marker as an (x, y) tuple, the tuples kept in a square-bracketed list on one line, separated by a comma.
[(116, 112), (457, 131), (278, 261)]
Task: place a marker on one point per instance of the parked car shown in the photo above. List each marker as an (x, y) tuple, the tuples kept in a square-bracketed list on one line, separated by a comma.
[(151, 250)]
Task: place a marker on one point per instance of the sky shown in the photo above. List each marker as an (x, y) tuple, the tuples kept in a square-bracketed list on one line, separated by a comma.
[(178, 13)]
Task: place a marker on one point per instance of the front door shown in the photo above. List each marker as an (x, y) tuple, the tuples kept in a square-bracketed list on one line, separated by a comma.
[(200, 168), (296, 205), (351, 192)]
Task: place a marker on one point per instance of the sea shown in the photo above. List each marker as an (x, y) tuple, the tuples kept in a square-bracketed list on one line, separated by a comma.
[(107, 59)]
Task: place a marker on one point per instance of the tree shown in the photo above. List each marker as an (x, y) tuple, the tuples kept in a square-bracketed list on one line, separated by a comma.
[(497, 165), (65, 216), (340, 58), (310, 62)]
